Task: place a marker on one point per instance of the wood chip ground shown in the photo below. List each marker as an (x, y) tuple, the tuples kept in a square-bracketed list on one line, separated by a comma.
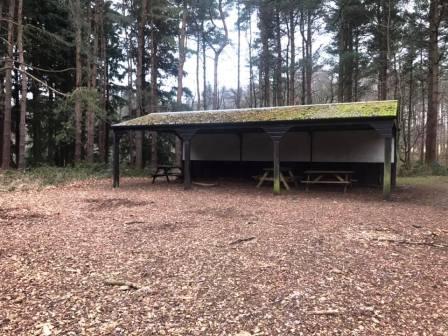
[(84, 259)]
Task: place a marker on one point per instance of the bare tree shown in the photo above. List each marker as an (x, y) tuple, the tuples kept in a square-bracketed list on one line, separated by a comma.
[(217, 50)]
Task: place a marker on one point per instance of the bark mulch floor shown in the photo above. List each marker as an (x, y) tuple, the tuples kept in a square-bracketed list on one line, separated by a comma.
[(84, 259)]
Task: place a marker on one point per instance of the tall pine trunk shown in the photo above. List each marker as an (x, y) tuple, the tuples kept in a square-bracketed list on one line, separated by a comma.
[(182, 54), (435, 11), (309, 59), (204, 68), (6, 151), (154, 96), (139, 81), (238, 81), (180, 75), (198, 65), (90, 126), (24, 89), (103, 121), (2, 79), (78, 81), (292, 62)]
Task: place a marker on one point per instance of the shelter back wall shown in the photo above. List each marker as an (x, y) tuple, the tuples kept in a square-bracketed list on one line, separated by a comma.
[(334, 146)]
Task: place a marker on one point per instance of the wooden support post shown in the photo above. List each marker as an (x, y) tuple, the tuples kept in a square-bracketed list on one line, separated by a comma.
[(387, 167), (240, 167), (394, 164), (187, 135), (187, 164), (276, 133), (311, 135), (276, 159), (385, 129), (116, 160)]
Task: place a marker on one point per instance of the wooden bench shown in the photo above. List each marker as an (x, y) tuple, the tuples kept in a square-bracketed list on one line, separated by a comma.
[(167, 171), (341, 177), (268, 176)]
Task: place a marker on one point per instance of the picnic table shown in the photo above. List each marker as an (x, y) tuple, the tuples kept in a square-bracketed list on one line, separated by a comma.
[(268, 175), (343, 177), (166, 171)]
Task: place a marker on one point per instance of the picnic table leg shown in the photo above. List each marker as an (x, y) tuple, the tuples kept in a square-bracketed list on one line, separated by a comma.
[(260, 183), (282, 179), (293, 178), (154, 176), (166, 175)]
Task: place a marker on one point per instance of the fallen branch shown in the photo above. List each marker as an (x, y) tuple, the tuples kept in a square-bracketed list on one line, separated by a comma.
[(326, 312), (134, 222), (242, 240), (361, 310), (120, 283), (409, 242), (205, 185)]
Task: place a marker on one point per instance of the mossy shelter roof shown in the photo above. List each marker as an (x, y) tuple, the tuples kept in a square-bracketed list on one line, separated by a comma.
[(340, 111)]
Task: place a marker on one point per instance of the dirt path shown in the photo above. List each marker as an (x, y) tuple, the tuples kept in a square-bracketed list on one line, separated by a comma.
[(155, 260)]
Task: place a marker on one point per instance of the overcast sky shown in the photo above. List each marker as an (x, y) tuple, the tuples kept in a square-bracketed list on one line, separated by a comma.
[(228, 64)]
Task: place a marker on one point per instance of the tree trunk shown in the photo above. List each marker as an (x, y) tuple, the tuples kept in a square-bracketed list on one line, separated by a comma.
[(309, 59), (78, 80), (383, 45), (6, 152), (180, 75), (218, 52), (139, 81), (90, 125), (252, 92), (24, 89), (154, 96), (277, 90), (265, 27), (182, 52), (435, 11), (292, 64), (423, 113), (103, 122), (198, 64), (204, 68), (303, 68), (2, 98), (356, 68), (238, 81), (408, 147)]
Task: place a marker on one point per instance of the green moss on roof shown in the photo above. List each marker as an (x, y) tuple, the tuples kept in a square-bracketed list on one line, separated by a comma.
[(288, 113)]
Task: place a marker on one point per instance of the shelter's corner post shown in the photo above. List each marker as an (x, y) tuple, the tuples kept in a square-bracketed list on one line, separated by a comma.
[(311, 137), (276, 134), (116, 159), (178, 146), (240, 151), (187, 135), (395, 155), (385, 130)]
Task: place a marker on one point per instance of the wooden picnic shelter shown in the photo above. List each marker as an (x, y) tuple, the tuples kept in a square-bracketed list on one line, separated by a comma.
[(376, 119)]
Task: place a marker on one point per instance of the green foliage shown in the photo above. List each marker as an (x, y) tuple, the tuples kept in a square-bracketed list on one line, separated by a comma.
[(421, 169)]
